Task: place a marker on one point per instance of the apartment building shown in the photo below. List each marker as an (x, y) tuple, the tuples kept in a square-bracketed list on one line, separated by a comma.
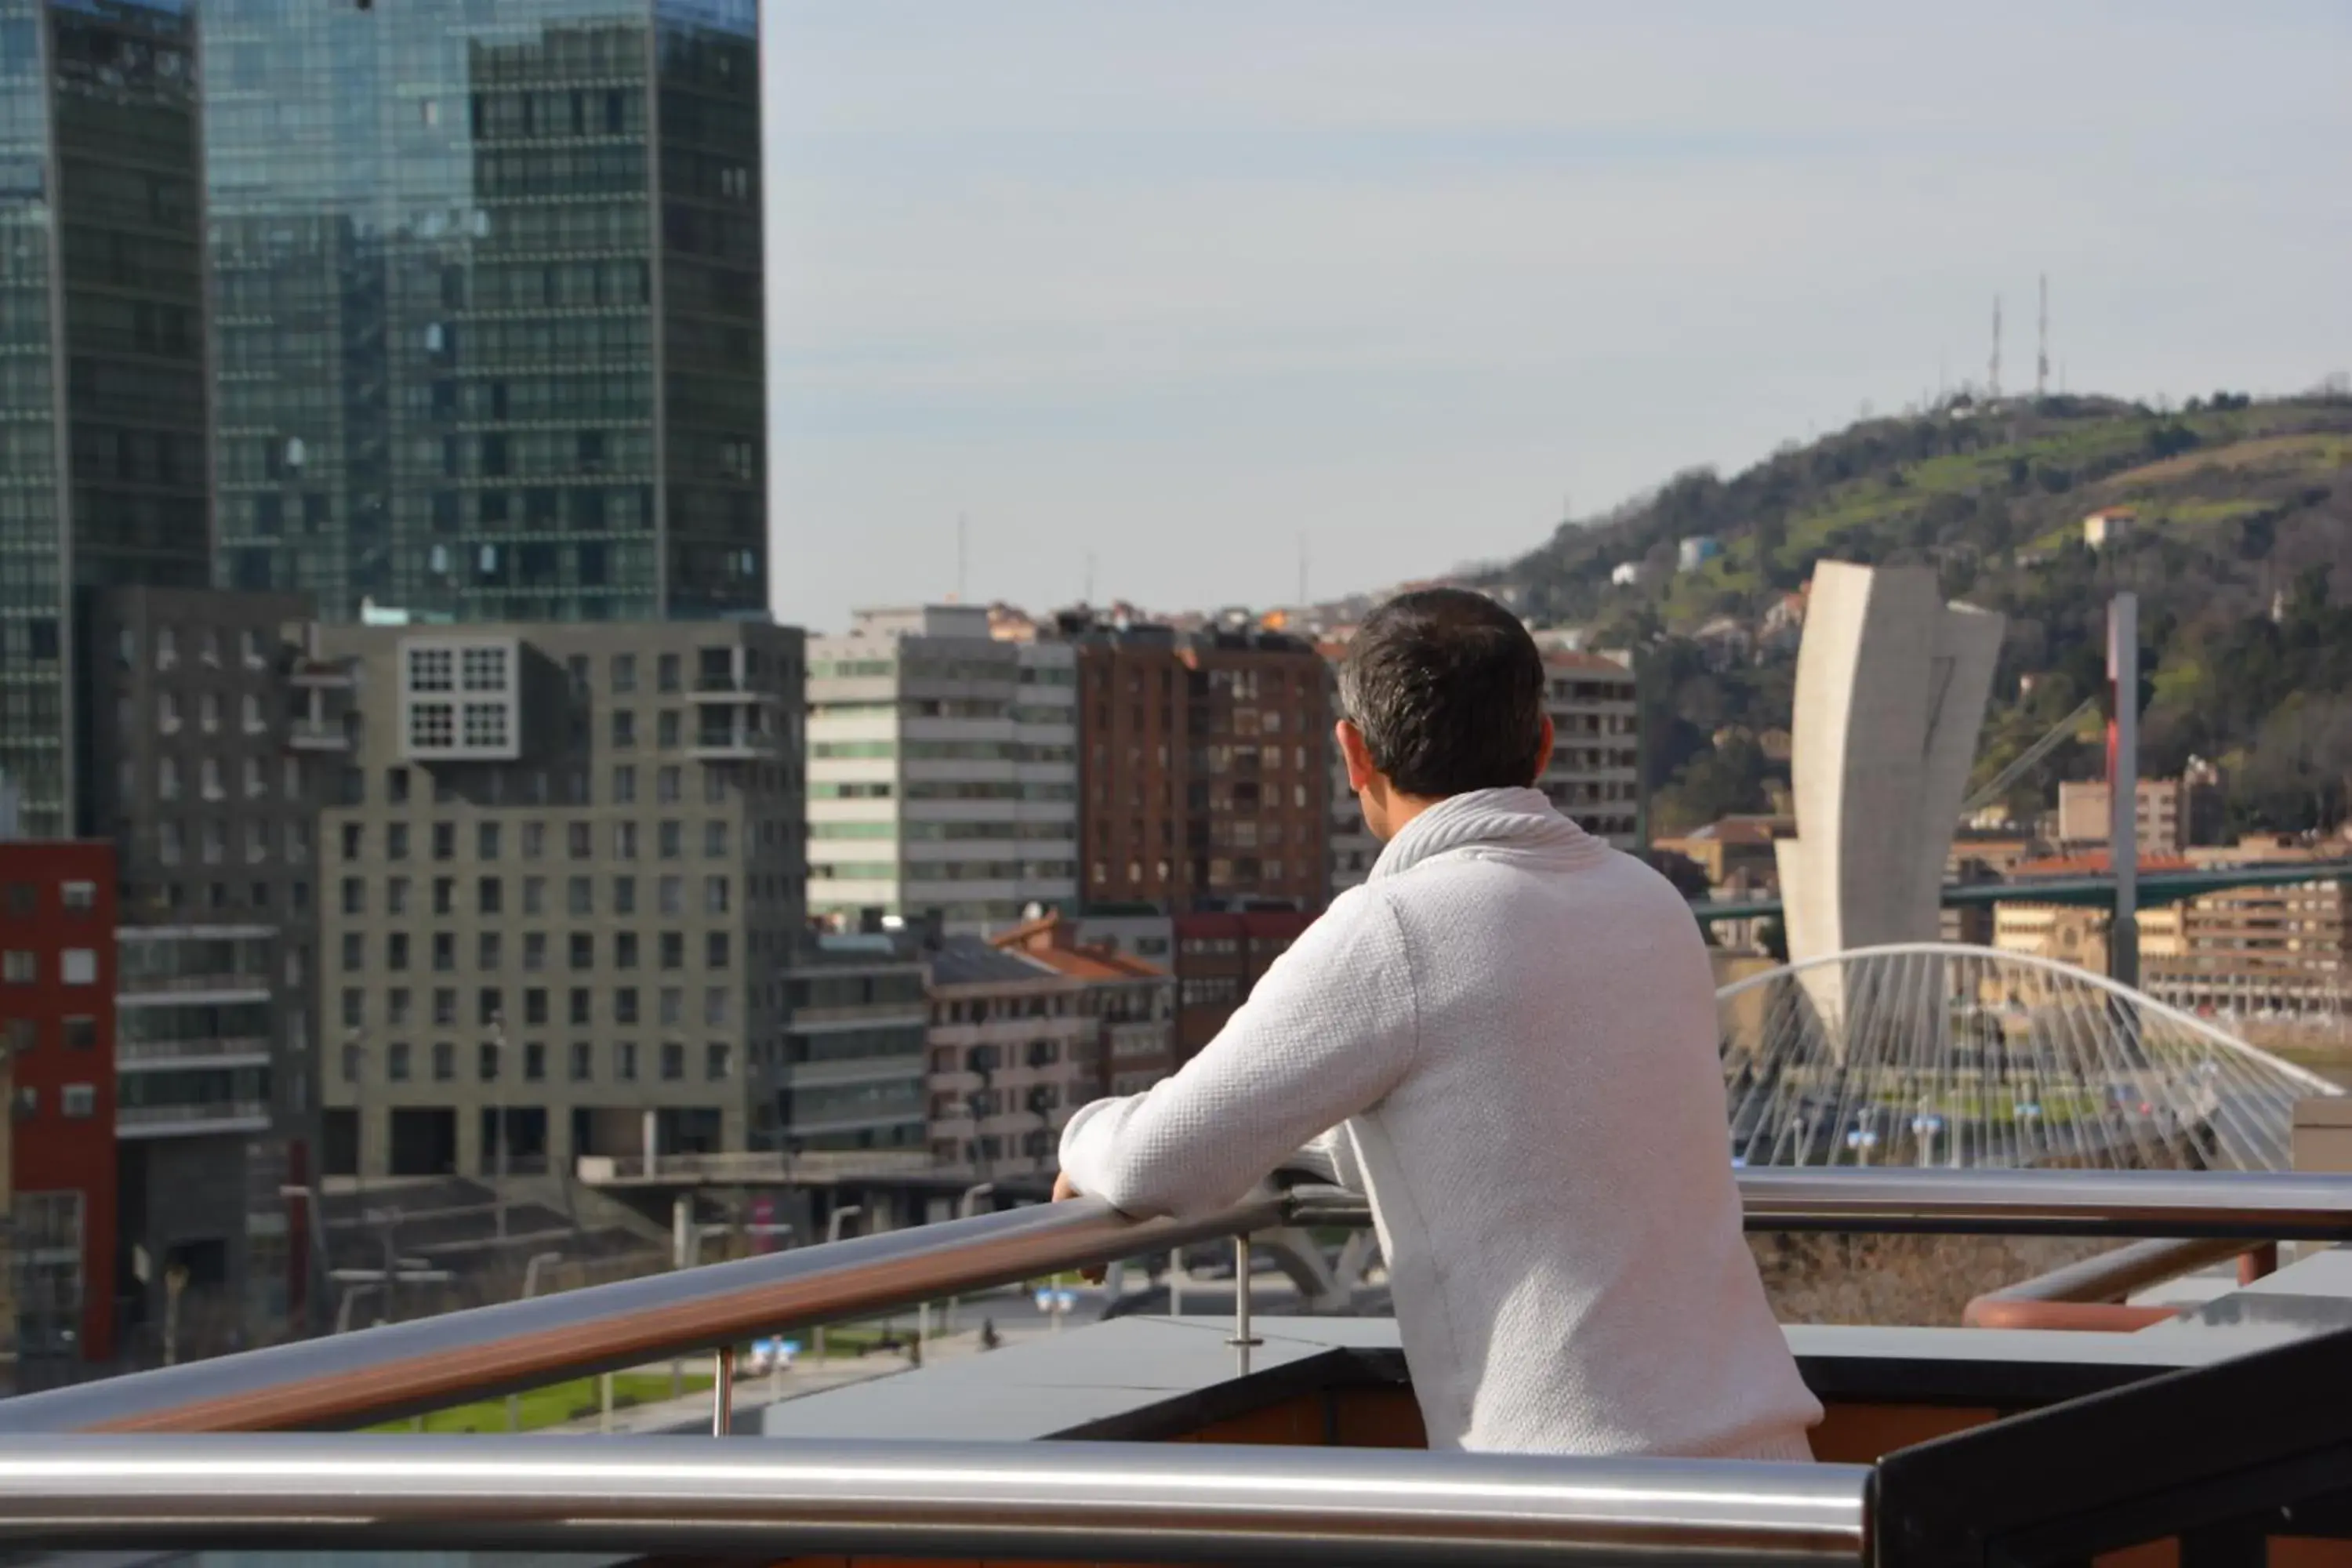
[(57, 1028), (1220, 958), (2173, 814), (1131, 999), (212, 727), (853, 1068), (1013, 1053), (943, 772), (1594, 775), (2281, 952), (562, 883), (1205, 764)]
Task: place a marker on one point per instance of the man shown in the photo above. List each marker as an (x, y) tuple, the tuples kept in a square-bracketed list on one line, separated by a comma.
[(1507, 1041)]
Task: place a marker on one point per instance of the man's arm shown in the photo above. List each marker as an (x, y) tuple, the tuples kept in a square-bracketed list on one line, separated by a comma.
[(1329, 1030)]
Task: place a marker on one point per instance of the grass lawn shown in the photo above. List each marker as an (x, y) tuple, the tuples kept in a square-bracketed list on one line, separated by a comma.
[(554, 1405)]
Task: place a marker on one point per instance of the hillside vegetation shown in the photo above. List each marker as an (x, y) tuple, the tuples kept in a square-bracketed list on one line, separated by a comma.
[(2242, 555)]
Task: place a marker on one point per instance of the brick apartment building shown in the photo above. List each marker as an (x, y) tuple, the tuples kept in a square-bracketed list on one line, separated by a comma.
[(1203, 766), (1220, 956), (56, 1025)]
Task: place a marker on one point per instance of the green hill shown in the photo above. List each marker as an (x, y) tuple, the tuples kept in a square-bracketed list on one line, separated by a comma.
[(2241, 554)]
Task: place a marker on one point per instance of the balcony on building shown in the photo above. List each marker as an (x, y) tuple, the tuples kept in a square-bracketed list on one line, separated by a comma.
[(189, 967)]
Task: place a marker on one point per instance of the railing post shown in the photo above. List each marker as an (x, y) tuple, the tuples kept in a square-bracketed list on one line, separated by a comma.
[(1244, 1340), (722, 1392), (604, 1403)]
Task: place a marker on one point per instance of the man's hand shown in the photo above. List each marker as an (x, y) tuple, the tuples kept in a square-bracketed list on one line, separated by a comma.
[(1064, 1189)]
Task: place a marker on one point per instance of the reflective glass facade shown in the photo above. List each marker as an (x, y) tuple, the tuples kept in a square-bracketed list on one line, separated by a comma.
[(103, 390), (487, 305)]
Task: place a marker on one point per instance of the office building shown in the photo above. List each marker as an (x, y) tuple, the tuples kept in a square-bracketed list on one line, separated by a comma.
[(102, 392), (1013, 1053), (561, 886), (943, 772), (1594, 775), (486, 306), (2280, 954), (1205, 764), (1131, 1000), (58, 988), (2173, 814)]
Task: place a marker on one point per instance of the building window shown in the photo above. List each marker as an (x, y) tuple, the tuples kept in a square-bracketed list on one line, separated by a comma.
[(81, 1034), (18, 1036), (625, 1061), (624, 673), (444, 895), (579, 842), (444, 1062), (673, 1063), (671, 898), (624, 729), (78, 1099), (624, 1004), (534, 1062), (395, 954), (444, 952), (582, 951), (714, 895), (625, 895), (718, 1061), (625, 784), (714, 1006), (488, 895), (534, 840), (77, 966), (486, 1064), (395, 841), (584, 1061), (486, 841), (673, 949), (80, 897), (666, 672), (534, 950), (395, 1007), (714, 950), (624, 840), (445, 841), (669, 786)]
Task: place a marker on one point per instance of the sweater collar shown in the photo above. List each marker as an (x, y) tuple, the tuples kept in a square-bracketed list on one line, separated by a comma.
[(1507, 819)]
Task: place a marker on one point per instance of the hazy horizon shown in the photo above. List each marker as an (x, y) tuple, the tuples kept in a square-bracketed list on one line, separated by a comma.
[(1174, 286)]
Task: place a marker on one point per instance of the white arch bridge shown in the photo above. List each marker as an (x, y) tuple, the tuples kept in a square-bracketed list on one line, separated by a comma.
[(1940, 1054)]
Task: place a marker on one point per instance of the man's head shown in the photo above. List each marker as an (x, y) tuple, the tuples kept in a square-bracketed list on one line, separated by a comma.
[(1441, 692)]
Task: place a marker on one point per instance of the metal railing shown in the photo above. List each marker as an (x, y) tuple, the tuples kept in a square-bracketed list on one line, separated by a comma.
[(403, 1369), (1099, 1501)]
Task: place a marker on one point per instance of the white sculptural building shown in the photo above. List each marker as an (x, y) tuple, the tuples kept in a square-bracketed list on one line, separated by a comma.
[(1891, 689)]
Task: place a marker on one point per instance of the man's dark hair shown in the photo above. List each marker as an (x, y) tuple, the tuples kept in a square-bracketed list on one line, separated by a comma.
[(1447, 687)]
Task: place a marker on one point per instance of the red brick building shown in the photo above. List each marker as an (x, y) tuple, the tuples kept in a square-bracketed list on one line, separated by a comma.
[(56, 1024), (1203, 762), (1219, 958)]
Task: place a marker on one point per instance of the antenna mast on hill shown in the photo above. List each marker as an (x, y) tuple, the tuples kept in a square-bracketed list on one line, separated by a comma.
[(1993, 377), (2042, 351)]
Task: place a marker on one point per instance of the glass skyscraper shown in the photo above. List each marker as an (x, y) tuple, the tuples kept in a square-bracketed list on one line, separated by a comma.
[(102, 406), (486, 306)]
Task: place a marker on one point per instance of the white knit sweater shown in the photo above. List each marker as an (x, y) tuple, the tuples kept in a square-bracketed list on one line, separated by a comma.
[(1510, 1035)]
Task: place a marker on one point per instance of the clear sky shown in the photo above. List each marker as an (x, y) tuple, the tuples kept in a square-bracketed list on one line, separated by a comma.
[(1173, 283)]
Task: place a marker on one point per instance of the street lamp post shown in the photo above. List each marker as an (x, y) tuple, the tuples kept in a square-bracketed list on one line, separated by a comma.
[(832, 1234), (964, 1206), (498, 1117)]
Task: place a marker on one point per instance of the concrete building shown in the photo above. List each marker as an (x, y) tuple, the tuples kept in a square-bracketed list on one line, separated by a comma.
[(2277, 954), (1595, 773), (2109, 525), (1014, 1052), (1205, 764), (1891, 689), (942, 770), (2173, 814), (564, 885), (853, 1069), (1131, 999), (58, 986), (217, 734)]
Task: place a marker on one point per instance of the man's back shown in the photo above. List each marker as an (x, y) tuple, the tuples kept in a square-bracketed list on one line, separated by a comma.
[(1567, 1086), (1516, 1025)]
